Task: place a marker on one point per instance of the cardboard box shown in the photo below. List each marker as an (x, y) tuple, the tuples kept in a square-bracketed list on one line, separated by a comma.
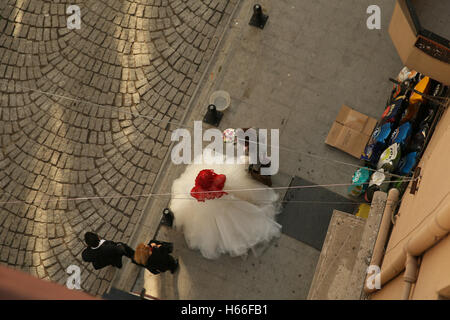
[(351, 131)]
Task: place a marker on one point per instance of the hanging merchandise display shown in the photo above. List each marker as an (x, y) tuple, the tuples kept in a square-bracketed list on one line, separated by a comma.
[(415, 101), (377, 143), (407, 163), (390, 158), (402, 134), (410, 113), (394, 111), (376, 184), (418, 141), (360, 182), (422, 87), (403, 131), (405, 76)]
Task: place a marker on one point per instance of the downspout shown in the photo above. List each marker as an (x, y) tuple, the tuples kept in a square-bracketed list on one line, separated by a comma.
[(410, 275), (431, 233)]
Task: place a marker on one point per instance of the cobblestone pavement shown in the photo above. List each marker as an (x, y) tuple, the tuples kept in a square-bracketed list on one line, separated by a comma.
[(141, 56)]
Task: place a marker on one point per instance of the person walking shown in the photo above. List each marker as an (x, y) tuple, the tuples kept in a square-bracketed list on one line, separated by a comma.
[(155, 257), (102, 253)]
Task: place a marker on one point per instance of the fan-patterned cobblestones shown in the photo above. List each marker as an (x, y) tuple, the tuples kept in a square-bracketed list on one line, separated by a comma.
[(129, 57)]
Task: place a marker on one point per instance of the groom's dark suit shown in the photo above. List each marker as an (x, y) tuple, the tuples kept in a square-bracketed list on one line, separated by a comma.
[(109, 253)]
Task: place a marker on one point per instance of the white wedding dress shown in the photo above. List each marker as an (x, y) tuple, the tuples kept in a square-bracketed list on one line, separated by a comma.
[(232, 224)]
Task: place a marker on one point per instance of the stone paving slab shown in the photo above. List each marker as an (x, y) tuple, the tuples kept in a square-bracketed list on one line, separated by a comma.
[(129, 57)]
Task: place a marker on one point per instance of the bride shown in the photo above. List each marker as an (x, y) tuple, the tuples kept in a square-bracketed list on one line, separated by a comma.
[(223, 221)]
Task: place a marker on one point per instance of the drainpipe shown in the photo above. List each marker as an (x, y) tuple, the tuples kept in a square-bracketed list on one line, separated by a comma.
[(410, 275), (378, 250), (437, 227), (433, 231)]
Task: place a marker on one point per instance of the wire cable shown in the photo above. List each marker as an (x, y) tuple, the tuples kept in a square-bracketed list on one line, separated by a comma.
[(190, 127), (190, 193)]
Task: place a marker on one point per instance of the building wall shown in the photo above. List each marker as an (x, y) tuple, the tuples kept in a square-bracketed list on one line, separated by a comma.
[(434, 272), (414, 212), (403, 35), (391, 291)]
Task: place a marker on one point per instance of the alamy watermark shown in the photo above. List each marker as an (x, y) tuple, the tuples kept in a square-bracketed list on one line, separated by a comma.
[(373, 280), (374, 20), (74, 280), (189, 150), (74, 20)]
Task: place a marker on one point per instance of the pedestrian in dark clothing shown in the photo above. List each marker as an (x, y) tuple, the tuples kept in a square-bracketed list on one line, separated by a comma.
[(104, 253), (155, 257)]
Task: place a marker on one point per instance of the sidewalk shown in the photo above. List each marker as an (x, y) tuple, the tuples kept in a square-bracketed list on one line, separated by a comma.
[(282, 271), (294, 76)]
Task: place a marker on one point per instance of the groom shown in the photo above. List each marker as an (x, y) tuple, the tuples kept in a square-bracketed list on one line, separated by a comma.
[(102, 253)]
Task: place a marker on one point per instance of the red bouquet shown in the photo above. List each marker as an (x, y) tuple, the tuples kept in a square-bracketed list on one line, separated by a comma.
[(208, 185)]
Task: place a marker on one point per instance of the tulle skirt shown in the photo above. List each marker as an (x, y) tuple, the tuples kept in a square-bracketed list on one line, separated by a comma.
[(232, 224)]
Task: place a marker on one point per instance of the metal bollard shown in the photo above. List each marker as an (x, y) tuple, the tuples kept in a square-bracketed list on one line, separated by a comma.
[(258, 19), (213, 116), (167, 218)]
